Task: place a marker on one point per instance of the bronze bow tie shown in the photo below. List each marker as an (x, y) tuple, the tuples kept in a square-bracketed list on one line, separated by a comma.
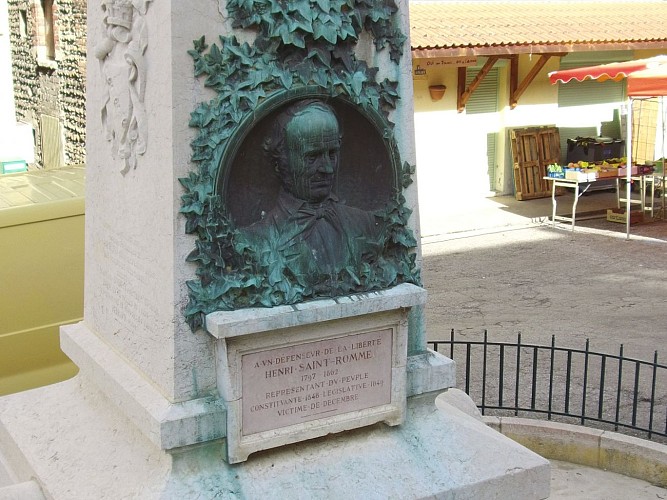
[(308, 215)]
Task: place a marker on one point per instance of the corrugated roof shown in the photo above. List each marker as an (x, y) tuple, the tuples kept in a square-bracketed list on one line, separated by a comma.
[(494, 27)]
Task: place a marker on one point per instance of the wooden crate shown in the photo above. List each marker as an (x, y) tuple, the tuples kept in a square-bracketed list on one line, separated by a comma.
[(618, 215), (532, 150)]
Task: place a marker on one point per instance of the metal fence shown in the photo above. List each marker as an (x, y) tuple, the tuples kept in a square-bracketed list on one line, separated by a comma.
[(608, 391)]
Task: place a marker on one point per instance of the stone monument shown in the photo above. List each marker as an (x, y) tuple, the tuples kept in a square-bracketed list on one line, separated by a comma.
[(253, 322)]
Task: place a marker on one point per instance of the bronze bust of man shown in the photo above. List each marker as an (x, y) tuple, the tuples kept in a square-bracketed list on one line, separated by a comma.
[(309, 228)]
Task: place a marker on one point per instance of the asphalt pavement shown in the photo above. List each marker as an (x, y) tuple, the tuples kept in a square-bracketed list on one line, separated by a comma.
[(501, 265), (498, 264)]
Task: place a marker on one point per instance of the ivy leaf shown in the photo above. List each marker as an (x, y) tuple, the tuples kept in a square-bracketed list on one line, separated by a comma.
[(321, 77), (358, 79), (201, 66), (353, 275), (194, 286), (243, 53), (404, 238), (372, 96), (253, 281), (200, 44), (339, 79), (305, 70), (198, 255), (302, 7), (298, 39), (194, 207), (325, 30), (190, 181), (283, 32), (221, 286), (389, 92), (214, 55), (265, 298), (192, 224), (285, 78), (275, 272), (201, 155), (406, 174), (389, 272), (356, 17), (397, 51), (345, 56), (259, 76), (321, 54), (252, 96), (347, 30), (379, 12)]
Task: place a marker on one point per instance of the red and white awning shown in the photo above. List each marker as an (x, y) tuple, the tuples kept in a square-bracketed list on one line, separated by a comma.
[(648, 83), (602, 72)]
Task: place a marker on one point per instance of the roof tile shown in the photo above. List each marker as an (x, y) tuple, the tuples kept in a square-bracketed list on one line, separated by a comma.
[(458, 24)]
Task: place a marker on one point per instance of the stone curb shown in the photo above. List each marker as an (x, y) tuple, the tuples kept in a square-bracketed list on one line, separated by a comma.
[(606, 450)]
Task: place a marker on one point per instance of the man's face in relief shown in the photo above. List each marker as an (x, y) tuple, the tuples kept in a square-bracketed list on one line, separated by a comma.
[(313, 150)]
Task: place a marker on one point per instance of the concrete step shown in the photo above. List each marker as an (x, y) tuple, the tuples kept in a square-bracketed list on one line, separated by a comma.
[(28, 490)]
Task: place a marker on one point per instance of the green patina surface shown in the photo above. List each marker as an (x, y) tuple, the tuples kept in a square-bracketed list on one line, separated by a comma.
[(298, 44)]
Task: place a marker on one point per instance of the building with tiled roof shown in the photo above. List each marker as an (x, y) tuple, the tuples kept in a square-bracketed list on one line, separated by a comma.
[(440, 29), (480, 74)]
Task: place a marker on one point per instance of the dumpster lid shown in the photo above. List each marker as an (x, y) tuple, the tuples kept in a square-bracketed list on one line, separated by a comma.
[(41, 195)]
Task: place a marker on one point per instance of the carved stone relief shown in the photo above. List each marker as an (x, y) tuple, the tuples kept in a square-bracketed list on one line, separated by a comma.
[(123, 65)]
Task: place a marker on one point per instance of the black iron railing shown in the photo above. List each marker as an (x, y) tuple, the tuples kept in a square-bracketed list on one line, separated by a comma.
[(610, 391)]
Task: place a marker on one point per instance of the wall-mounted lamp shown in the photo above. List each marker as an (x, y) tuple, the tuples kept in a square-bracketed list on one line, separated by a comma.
[(437, 91)]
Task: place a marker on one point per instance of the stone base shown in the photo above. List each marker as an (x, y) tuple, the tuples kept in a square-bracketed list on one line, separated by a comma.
[(75, 444), (173, 425)]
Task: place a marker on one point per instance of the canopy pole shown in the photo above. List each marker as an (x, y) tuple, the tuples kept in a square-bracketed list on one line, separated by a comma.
[(628, 166), (663, 117)]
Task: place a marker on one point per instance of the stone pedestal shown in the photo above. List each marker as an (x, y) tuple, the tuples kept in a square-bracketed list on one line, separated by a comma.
[(75, 444), (150, 412)]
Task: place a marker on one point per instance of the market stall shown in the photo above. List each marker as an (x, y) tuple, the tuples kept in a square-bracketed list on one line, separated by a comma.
[(645, 78)]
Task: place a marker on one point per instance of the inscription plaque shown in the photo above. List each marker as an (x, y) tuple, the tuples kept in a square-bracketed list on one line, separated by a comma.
[(291, 373), (314, 380)]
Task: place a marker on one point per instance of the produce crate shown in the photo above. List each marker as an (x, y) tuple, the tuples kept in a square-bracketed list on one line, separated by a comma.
[(618, 215), (607, 173), (580, 176), (624, 171)]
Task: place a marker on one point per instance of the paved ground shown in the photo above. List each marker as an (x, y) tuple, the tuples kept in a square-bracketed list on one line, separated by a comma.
[(497, 264), (500, 266), (575, 482)]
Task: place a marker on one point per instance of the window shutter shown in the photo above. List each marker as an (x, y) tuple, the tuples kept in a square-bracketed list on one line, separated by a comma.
[(485, 97), (491, 158)]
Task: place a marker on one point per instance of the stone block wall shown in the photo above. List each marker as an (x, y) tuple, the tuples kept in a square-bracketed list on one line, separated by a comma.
[(50, 82)]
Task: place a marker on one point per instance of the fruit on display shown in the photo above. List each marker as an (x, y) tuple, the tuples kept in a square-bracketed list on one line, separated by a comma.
[(555, 170)]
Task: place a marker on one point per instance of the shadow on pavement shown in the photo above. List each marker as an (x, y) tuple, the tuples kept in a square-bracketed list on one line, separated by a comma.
[(505, 212)]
